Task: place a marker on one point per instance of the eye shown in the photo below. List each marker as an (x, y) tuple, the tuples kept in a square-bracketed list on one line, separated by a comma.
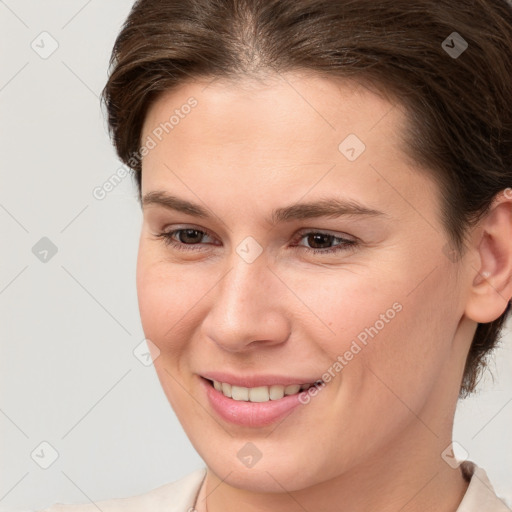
[(188, 239), (185, 237), (322, 239)]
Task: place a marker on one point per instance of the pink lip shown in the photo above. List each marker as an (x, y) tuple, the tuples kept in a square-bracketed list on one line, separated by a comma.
[(253, 381), (249, 414)]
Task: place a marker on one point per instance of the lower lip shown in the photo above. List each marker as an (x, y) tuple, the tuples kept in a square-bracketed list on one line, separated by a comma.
[(249, 414)]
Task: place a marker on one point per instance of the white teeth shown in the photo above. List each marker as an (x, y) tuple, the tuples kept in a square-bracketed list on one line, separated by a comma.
[(292, 389), (276, 392), (226, 389), (239, 393), (260, 393)]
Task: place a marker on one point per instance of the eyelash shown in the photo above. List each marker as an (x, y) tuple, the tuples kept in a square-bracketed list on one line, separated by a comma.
[(346, 244)]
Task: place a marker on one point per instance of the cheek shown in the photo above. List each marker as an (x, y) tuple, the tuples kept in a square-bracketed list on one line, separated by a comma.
[(345, 308), (164, 298), (379, 332), (406, 358)]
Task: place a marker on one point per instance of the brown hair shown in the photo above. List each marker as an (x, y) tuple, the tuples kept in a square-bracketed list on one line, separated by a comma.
[(459, 107)]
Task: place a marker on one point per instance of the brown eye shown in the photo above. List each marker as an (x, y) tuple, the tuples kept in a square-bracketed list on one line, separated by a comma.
[(321, 243), (184, 239), (189, 236), (320, 240)]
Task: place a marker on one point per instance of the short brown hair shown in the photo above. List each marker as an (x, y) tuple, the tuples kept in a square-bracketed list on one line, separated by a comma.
[(459, 107)]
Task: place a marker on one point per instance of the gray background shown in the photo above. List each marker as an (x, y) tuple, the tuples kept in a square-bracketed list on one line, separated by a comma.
[(70, 324)]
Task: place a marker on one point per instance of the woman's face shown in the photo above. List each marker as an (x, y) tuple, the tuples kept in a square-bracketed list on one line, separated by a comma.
[(275, 172)]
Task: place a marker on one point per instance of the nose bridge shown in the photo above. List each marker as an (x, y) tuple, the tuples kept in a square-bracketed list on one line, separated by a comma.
[(244, 306), (244, 284)]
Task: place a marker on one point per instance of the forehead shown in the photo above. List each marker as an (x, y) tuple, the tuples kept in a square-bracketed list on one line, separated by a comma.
[(295, 133), (311, 112)]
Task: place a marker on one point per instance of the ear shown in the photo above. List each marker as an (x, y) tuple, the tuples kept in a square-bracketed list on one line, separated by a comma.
[(491, 289)]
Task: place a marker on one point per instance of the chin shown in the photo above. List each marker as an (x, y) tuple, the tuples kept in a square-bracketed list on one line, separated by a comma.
[(271, 473), (265, 479)]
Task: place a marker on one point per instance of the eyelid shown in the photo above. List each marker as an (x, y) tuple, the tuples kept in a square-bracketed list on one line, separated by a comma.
[(183, 227), (336, 234)]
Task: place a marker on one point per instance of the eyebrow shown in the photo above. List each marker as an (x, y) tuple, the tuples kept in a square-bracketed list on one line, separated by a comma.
[(329, 207)]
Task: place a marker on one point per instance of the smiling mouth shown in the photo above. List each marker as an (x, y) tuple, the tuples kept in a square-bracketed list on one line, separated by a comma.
[(260, 393)]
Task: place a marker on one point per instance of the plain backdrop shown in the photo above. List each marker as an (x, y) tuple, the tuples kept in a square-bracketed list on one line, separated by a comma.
[(76, 394)]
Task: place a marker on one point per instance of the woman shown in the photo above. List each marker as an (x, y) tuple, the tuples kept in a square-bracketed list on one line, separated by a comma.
[(325, 260)]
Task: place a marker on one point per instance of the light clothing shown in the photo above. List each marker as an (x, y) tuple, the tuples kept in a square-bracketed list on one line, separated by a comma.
[(182, 496)]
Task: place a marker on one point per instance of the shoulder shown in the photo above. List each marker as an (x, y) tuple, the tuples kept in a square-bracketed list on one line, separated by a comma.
[(480, 495), (177, 496)]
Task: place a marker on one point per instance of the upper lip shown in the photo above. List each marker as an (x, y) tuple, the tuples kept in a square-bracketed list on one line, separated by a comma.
[(253, 381)]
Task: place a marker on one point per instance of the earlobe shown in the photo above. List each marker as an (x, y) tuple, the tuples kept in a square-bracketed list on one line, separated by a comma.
[(491, 289)]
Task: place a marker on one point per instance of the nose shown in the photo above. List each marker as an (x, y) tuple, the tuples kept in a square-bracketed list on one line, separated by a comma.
[(247, 307)]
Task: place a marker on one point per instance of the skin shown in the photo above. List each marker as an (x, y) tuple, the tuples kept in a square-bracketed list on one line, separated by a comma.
[(372, 438)]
